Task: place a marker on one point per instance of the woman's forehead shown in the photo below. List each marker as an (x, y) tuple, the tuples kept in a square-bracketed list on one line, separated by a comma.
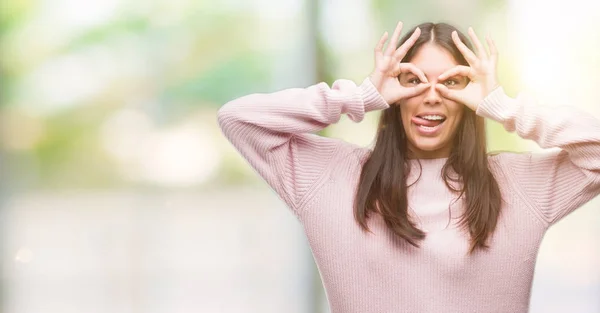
[(433, 60)]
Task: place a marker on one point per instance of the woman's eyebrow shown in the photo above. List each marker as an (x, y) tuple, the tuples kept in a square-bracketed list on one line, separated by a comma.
[(457, 76)]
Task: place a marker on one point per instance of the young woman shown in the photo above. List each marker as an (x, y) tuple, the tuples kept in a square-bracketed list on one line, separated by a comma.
[(426, 221)]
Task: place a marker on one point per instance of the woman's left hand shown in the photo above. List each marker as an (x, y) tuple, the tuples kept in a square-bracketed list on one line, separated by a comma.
[(481, 72)]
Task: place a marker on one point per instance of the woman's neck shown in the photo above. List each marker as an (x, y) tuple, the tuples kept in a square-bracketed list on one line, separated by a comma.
[(414, 153)]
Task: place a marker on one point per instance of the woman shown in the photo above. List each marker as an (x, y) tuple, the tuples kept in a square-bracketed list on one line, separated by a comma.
[(425, 221)]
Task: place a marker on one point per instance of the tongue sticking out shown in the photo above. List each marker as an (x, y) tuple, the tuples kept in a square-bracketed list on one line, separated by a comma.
[(421, 121)]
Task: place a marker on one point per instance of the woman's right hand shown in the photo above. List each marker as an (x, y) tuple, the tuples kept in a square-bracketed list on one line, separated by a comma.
[(388, 68)]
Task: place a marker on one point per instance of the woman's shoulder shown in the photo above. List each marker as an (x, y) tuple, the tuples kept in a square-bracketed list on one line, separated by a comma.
[(343, 151), (360, 154), (523, 157), (519, 163), (349, 156), (500, 160)]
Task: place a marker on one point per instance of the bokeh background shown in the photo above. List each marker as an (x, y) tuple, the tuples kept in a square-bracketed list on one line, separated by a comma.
[(118, 192)]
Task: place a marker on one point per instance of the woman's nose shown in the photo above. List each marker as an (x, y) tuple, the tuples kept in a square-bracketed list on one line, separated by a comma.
[(432, 96)]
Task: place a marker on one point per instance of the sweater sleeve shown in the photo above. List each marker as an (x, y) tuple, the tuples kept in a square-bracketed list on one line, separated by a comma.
[(275, 132), (555, 181)]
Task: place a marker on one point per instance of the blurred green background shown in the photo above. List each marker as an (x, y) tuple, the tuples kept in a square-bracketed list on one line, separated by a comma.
[(121, 195)]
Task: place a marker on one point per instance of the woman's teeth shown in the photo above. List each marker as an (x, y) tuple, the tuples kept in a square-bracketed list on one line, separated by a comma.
[(432, 117)]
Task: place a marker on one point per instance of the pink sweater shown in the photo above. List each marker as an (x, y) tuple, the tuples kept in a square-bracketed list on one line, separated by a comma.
[(363, 272)]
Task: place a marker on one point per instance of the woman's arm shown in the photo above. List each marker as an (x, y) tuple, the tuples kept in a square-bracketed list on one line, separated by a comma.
[(274, 132), (555, 182)]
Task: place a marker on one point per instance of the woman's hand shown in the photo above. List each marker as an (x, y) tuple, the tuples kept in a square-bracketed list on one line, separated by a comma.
[(388, 68), (481, 72)]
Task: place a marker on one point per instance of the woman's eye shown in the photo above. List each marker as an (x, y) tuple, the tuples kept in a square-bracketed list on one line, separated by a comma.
[(415, 81), (451, 82)]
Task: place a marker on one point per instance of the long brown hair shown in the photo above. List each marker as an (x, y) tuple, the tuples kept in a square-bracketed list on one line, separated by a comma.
[(382, 187)]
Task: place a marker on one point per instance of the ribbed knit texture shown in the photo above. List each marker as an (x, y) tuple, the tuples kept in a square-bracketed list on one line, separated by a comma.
[(376, 272)]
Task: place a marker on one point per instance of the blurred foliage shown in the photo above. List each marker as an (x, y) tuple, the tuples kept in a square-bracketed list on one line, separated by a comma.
[(104, 33), (201, 58), (210, 70), (222, 82)]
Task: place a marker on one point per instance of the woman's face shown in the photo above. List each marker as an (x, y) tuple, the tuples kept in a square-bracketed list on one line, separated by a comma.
[(430, 121)]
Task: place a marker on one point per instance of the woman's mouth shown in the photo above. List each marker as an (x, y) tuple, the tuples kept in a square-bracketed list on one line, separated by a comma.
[(428, 124)]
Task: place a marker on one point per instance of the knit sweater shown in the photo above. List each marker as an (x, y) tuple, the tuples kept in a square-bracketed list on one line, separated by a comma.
[(363, 272)]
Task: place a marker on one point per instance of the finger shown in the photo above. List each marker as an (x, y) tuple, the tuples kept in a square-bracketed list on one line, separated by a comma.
[(466, 52), (403, 49), (411, 68), (392, 45), (416, 90), (447, 93), (379, 46), (457, 70), (493, 49), (481, 52)]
